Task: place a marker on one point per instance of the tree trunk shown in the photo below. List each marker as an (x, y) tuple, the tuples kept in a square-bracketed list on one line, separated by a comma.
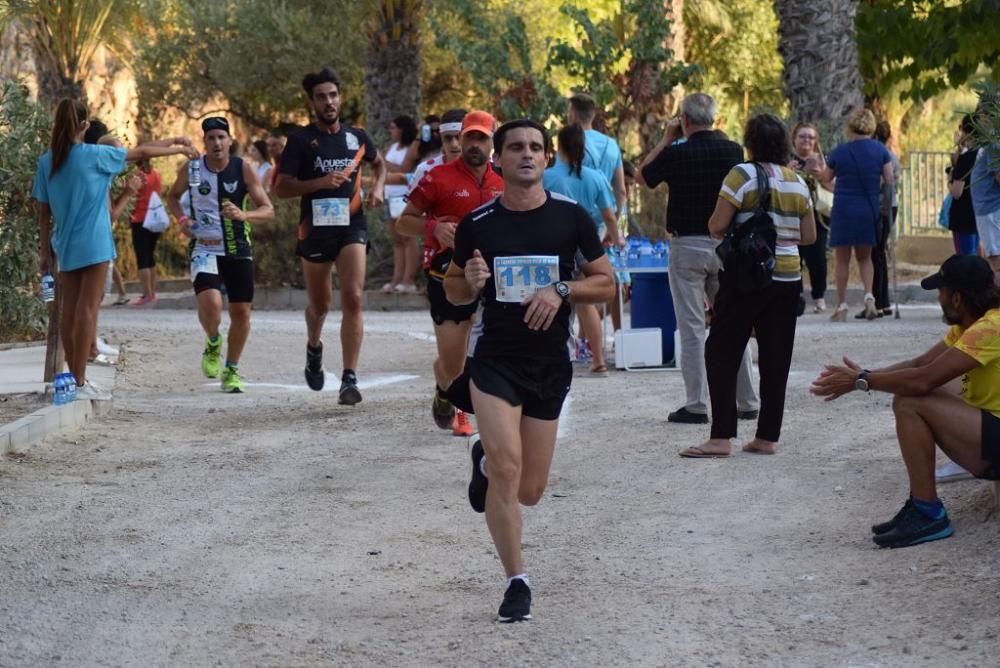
[(53, 83), (393, 65), (822, 78)]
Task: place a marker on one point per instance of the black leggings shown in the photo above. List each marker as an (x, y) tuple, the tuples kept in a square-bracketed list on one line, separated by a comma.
[(771, 315), (144, 245), (814, 256), (880, 285)]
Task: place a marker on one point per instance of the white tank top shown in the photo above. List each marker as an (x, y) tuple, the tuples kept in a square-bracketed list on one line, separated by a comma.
[(396, 155)]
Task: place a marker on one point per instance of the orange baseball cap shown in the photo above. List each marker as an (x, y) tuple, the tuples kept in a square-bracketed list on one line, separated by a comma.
[(479, 121)]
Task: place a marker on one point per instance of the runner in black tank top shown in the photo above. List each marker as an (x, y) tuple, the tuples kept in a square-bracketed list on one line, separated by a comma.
[(218, 222)]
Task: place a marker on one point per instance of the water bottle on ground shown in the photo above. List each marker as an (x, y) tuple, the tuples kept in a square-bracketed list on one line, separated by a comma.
[(194, 173), (48, 287), (64, 389)]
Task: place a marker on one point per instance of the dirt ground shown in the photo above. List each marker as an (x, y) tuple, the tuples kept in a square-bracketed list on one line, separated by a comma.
[(192, 528)]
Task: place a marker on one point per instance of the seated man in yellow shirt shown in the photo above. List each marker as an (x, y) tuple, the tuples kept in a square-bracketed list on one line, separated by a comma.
[(949, 396)]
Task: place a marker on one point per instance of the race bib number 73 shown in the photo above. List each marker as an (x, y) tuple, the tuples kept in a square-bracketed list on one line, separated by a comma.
[(331, 212), (517, 278)]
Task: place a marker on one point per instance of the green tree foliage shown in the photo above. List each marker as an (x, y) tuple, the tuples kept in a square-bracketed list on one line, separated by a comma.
[(736, 44), (246, 57), (65, 35), (623, 61), (492, 44), (925, 46), (25, 128)]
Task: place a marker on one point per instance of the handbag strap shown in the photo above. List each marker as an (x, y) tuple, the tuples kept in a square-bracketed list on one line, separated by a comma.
[(763, 194)]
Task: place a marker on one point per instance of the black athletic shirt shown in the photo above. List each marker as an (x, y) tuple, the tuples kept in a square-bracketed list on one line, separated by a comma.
[(557, 228), (961, 216), (311, 153)]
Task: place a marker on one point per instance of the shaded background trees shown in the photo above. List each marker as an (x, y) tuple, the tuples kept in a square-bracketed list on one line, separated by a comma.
[(156, 67)]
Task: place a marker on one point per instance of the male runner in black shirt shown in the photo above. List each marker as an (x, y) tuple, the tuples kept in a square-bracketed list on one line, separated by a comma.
[(516, 255), (321, 164)]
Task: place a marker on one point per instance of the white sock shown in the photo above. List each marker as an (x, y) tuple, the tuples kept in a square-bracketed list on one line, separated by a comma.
[(842, 306), (520, 576), (870, 296), (482, 467)]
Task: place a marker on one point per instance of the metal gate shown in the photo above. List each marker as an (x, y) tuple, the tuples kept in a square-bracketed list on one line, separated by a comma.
[(924, 183)]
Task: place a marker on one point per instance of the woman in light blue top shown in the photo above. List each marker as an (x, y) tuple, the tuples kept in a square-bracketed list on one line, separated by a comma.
[(71, 187), (591, 190)]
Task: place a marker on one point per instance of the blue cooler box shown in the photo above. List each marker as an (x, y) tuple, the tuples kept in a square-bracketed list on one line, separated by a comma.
[(652, 306)]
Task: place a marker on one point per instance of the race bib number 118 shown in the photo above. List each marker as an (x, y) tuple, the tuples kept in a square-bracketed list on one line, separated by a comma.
[(517, 278)]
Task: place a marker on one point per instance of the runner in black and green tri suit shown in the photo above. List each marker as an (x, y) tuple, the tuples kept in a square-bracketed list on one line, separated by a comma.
[(217, 220)]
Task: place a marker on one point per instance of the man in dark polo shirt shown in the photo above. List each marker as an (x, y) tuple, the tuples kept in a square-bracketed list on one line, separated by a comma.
[(694, 170)]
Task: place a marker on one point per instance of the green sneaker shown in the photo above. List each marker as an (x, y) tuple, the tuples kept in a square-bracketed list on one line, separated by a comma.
[(231, 381), (211, 359)]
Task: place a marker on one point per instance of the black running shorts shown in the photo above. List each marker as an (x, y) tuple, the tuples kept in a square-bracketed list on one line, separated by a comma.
[(539, 387), (327, 248), (443, 310), (144, 245), (236, 273), (991, 446)]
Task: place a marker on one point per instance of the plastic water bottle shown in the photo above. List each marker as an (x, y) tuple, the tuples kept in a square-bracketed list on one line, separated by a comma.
[(632, 259), (659, 255), (645, 253), (59, 390), (48, 287), (194, 173), (71, 386)]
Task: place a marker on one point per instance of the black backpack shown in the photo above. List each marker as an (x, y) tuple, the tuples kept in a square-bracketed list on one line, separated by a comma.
[(747, 251)]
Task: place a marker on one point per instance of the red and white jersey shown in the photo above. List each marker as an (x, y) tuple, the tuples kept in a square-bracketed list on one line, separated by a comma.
[(450, 190)]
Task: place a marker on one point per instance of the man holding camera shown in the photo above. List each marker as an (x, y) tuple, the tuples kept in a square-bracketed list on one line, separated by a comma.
[(694, 169)]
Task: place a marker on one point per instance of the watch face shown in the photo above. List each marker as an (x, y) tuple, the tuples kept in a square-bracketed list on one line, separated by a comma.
[(562, 289)]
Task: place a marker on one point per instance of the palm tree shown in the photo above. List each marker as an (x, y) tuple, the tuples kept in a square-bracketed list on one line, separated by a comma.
[(392, 70), (65, 35), (816, 40)]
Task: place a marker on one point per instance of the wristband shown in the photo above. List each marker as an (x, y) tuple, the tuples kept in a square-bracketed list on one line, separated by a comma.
[(183, 219)]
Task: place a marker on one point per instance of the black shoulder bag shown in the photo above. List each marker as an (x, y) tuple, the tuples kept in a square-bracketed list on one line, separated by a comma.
[(747, 250)]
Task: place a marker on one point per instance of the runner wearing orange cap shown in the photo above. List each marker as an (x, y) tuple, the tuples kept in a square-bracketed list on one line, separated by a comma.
[(441, 198)]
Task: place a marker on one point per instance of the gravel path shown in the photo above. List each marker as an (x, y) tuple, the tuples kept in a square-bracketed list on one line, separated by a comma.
[(192, 528)]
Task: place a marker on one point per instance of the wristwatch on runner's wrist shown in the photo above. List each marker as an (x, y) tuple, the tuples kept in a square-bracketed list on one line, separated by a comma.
[(861, 384), (562, 289)]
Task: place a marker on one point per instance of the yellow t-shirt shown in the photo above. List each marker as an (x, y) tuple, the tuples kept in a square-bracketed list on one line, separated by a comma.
[(981, 342)]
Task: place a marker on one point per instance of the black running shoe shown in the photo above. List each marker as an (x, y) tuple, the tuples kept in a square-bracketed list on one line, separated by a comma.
[(349, 392), (891, 524), (315, 375), (516, 606), (914, 528), (442, 410), (684, 416), (479, 482)]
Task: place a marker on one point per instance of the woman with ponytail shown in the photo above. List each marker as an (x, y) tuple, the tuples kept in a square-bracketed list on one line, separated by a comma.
[(71, 188), (591, 189)]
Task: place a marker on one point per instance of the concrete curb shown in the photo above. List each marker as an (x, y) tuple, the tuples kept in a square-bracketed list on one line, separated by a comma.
[(292, 299), (49, 421)]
